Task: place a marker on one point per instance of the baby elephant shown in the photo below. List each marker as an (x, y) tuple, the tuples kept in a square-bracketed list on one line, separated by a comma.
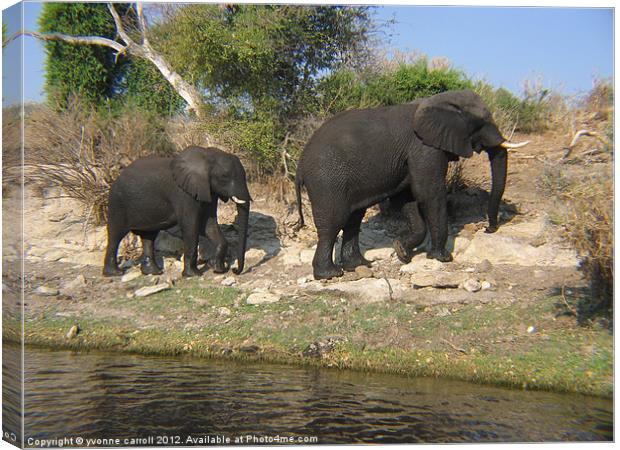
[(156, 193)]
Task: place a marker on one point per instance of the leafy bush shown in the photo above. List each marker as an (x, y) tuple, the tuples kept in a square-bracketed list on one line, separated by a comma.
[(346, 89), (82, 151)]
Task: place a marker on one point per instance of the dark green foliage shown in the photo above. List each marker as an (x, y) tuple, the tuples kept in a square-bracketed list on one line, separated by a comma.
[(91, 72), (87, 71), (259, 65), (347, 89), (141, 84)]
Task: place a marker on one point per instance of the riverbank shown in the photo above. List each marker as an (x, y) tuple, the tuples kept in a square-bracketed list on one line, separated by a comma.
[(524, 345), (510, 310)]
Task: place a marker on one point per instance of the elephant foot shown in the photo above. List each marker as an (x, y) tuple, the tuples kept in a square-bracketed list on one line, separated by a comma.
[(403, 253), (148, 267), (439, 255), (491, 229), (350, 264), (111, 271), (328, 273), (218, 266)]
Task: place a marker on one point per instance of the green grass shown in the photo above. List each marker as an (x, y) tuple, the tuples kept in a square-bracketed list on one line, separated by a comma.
[(486, 344)]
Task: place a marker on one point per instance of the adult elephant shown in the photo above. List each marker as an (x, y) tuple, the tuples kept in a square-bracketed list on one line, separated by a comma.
[(155, 193), (360, 157)]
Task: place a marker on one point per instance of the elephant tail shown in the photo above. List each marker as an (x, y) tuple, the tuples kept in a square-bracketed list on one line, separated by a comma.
[(299, 182)]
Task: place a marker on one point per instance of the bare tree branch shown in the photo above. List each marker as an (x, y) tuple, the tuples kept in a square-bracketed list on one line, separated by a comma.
[(186, 90)]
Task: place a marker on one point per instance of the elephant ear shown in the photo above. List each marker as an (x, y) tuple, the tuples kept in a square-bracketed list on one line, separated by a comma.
[(190, 171), (443, 127)]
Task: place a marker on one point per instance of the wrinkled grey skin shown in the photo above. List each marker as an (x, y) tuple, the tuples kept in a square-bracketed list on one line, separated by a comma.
[(360, 157), (156, 193)]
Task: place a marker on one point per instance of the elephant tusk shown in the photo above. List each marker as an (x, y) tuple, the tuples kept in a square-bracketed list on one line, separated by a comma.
[(238, 201), (510, 145)]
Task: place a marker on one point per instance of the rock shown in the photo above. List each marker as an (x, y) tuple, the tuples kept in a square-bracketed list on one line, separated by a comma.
[(460, 243), (367, 290), (254, 255), (322, 347), (306, 256), (131, 275), (57, 216), (224, 311), (379, 254), (484, 266), (485, 285), (440, 280), (229, 281), (54, 255), (531, 329), (363, 272), (77, 282), (150, 290), (420, 263), (499, 249), (302, 281), (472, 285), (261, 298), (73, 332), (47, 291)]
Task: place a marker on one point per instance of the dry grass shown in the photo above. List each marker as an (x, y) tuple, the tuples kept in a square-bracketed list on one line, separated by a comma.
[(11, 145), (584, 212), (82, 151)]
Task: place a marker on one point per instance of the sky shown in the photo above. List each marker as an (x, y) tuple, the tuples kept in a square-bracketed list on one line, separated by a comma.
[(564, 48)]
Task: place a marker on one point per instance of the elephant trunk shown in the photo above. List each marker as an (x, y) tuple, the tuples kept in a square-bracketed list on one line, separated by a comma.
[(498, 158), (243, 215)]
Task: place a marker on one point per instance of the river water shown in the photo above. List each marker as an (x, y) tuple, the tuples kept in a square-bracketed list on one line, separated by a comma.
[(131, 399)]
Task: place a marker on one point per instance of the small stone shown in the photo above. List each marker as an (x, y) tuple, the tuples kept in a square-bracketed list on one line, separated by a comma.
[(73, 332), (363, 272), (302, 281), (131, 275), (255, 255), (423, 279), (472, 285), (531, 329), (149, 290), (77, 282), (484, 266), (421, 263), (229, 281), (379, 254), (485, 285), (224, 311), (260, 298), (47, 291)]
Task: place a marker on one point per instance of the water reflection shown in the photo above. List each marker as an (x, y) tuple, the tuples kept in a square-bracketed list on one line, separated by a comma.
[(105, 395)]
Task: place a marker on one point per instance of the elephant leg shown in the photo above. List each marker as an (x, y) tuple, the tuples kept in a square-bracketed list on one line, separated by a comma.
[(405, 243), (149, 265), (115, 235), (350, 254), (190, 229), (215, 235), (429, 189), (322, 264)]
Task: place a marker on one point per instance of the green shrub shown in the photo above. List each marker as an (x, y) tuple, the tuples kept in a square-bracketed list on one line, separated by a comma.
[(346, 89)]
